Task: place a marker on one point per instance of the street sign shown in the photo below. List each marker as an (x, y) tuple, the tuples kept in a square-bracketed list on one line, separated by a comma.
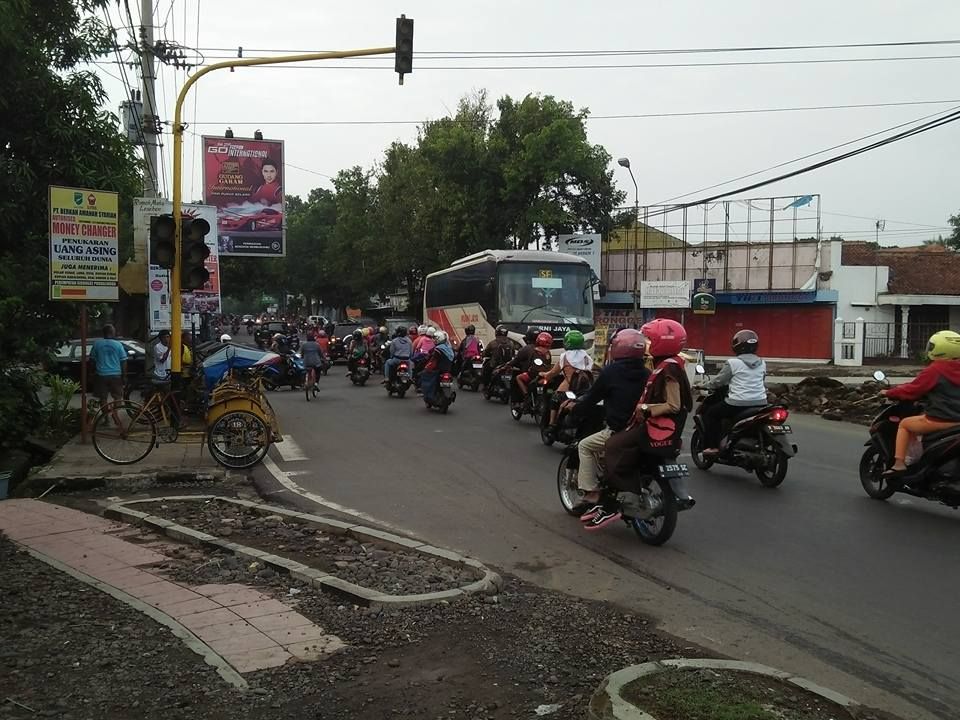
[(84, 255), (705, 296)]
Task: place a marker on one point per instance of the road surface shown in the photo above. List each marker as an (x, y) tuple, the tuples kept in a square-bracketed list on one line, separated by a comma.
[(813, 577)]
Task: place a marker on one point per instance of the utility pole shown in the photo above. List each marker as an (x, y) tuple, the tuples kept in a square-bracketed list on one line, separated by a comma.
[(625, 162), (151, 122)]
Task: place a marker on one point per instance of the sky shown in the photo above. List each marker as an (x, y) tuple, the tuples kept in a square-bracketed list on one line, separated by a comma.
[(914, 185)]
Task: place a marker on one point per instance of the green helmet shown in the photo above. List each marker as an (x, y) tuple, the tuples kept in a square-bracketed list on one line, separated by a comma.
[(573, 340)]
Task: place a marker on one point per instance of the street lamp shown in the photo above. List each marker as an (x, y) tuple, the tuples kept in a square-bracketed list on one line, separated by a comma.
[(625, 162)]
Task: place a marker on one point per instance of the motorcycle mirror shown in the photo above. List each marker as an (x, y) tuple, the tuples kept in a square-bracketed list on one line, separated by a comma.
[(571, 396), (538, 362), (701, 370), (879, 376)]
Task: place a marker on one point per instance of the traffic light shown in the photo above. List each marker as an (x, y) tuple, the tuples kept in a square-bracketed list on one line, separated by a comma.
[(403, 52), (162, 250), (193, 253)]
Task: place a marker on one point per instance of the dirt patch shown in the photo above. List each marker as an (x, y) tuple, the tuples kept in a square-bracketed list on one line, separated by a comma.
[(727, 695), (389, 571), (831, 399)]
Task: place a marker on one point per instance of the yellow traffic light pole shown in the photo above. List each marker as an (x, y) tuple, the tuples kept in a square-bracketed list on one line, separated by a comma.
[(178, 130)]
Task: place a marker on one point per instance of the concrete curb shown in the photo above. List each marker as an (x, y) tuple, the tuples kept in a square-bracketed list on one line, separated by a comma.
[(35, 484), (488, 581), (210, 656), (608, 704)]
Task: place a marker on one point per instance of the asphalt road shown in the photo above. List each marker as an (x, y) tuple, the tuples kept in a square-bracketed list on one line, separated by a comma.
[(813, 577)]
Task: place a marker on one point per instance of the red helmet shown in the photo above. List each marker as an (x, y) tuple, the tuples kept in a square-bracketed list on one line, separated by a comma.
[(544, 340), (628, 343), (667, 337)]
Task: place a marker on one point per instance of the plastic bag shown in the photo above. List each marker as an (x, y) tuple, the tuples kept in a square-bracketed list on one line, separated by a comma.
[(914, 451)]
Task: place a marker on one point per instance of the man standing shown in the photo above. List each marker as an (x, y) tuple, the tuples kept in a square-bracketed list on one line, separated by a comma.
[(110, 359)]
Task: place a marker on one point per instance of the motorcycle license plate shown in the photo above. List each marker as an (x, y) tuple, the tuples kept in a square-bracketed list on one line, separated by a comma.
[(674, 471), (478, 366), (779, 429), (404, 376), (446, 385)]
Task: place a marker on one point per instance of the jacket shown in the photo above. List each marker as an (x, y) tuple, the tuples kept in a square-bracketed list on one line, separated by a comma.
[(745, 375), (500, 350), (400, 347), (939, 387), (619, 385)]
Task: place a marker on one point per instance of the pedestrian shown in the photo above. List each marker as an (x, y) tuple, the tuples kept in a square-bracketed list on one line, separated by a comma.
[(161, 371), (110, 362)]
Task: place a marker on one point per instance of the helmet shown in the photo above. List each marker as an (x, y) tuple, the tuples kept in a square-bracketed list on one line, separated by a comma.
[(745, 341), (413, 330), (501, 330), (667, 337), (358, 333), (383, 330), (225, 338), (321, 334), (530, 335), (431, 332), (944, 345), (402, 331), (277, 336), (422, 330), (365, 332), (573, 340), (469, 329), (440, 337), (628, 343), (544, 340)]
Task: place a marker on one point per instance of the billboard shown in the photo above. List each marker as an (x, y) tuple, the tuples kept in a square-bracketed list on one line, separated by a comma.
[(664, 293), (586, 246), (84, 255), (158, 280), (243, 179)]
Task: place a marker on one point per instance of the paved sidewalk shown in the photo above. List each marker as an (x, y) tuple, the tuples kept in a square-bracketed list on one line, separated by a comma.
[(250, 630)]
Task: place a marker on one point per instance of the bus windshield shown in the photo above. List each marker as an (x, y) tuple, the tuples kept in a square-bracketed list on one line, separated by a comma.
[(558, 293)]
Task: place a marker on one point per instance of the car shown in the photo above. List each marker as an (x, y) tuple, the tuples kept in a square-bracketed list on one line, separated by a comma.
[(246, 319), (392, 323), (266, 331), (318, 321), (66, 359), (341, 333)]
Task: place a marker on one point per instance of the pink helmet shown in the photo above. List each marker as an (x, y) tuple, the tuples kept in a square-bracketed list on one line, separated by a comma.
[(628, 343), (667, 337)]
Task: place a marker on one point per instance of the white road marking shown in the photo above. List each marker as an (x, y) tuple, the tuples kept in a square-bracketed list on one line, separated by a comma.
[(283, 478), (289, 450)]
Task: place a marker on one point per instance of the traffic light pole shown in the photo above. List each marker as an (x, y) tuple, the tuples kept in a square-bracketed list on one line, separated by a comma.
[(178, 130)]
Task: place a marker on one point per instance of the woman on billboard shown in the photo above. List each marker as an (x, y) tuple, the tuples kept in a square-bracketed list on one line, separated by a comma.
[(269, 192)]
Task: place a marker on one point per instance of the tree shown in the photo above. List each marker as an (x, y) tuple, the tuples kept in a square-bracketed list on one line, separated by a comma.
[(54, 131), (953, 242)]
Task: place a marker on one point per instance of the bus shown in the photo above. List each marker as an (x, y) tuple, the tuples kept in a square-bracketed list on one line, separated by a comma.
[(521, 289)]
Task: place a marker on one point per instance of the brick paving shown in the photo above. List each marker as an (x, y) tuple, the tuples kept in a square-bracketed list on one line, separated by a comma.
[(250, 630)]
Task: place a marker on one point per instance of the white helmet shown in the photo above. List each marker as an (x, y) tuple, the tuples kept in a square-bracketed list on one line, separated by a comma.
[(422, 330), (225, 338), (431, 332), (440, 338)]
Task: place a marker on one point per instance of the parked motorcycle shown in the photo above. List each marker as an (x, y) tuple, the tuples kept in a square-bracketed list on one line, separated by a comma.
[(400, 380), (445, 395), (935, 475), (536, 400), (651, 512), (501, 379), (757, 440), (289, 371), (471, 372), (361, 371)]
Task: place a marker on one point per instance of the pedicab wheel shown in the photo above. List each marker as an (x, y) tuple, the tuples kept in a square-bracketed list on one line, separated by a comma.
[(238, 439), (570, 495), (696, 451), (872, 467), (123, 433), (659, 528)]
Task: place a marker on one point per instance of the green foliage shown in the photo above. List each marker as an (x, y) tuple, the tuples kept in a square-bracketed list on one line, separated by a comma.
[(54, 132), (953, 242), (20, 409)]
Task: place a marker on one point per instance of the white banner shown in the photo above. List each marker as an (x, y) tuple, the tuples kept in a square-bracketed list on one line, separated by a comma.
[(665, 293), (583, 246)]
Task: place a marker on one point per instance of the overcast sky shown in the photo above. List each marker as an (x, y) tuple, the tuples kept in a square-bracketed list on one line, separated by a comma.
[(911, 184)]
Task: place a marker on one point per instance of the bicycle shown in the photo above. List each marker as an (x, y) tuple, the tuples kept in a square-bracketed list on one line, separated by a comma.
[(310, 384), (124, 432)]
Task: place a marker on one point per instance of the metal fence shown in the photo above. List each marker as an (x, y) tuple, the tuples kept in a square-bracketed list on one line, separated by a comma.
[(885, 340)]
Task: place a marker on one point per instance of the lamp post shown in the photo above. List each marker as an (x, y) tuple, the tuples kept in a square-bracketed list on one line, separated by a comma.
[(625, 162)]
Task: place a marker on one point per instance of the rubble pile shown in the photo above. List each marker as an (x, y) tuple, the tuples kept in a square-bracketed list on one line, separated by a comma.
[(831, 399)]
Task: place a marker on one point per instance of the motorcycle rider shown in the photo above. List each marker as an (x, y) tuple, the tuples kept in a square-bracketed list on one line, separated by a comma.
[(398, 349), (541, 350), (744, 374), (939, 387), (312, 358), (575, 363), (658, 418), (324, 342), (470, 347), (619, 386), (358, 349), (278, 344), (439, 361), (419, 337), (498, 352), (521, 361)]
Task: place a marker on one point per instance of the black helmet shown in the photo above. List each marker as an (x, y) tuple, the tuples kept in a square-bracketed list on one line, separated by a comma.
[(469, 329), (531, 335), (501, 330), (358, 333), (745, 341), (402, 331)]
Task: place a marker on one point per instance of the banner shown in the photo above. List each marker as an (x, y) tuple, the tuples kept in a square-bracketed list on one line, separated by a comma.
[(586, 247), (84, 254), (664, 293), (243, 179), (158, 281)]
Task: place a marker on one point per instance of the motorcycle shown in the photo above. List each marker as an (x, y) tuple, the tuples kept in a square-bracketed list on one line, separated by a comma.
[(536, 400), (757, 440), (651, 512), (471, 372), (571, 429), (445, 395), (935, 475), (361, 371), (501, 380), (419, 363), (235, 329), (400, 380), (289, 371), (293, 341), (378, 356)]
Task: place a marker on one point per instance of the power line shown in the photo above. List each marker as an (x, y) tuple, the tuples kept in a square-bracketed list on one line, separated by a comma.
[(697, 113)]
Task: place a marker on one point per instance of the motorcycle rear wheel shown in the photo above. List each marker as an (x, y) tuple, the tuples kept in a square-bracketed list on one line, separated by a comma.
[(872, 465), (546, 436), (570, 495), (658, 529), (516, 413), (771, 477), (696, 451)]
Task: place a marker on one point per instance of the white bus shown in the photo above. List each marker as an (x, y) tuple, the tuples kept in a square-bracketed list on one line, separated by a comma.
[(517, 288)]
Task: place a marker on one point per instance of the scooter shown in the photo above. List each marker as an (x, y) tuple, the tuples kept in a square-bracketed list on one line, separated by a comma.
[(757, 440), (471, 372), (535, 401), (445, 395), (934, 475), (570, 428), (651, 511), (289, 371), (501, 379), (361, 372), (400, 380)]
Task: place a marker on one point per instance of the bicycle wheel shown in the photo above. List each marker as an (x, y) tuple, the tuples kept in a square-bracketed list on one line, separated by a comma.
[(238, 439), (123, 433)]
